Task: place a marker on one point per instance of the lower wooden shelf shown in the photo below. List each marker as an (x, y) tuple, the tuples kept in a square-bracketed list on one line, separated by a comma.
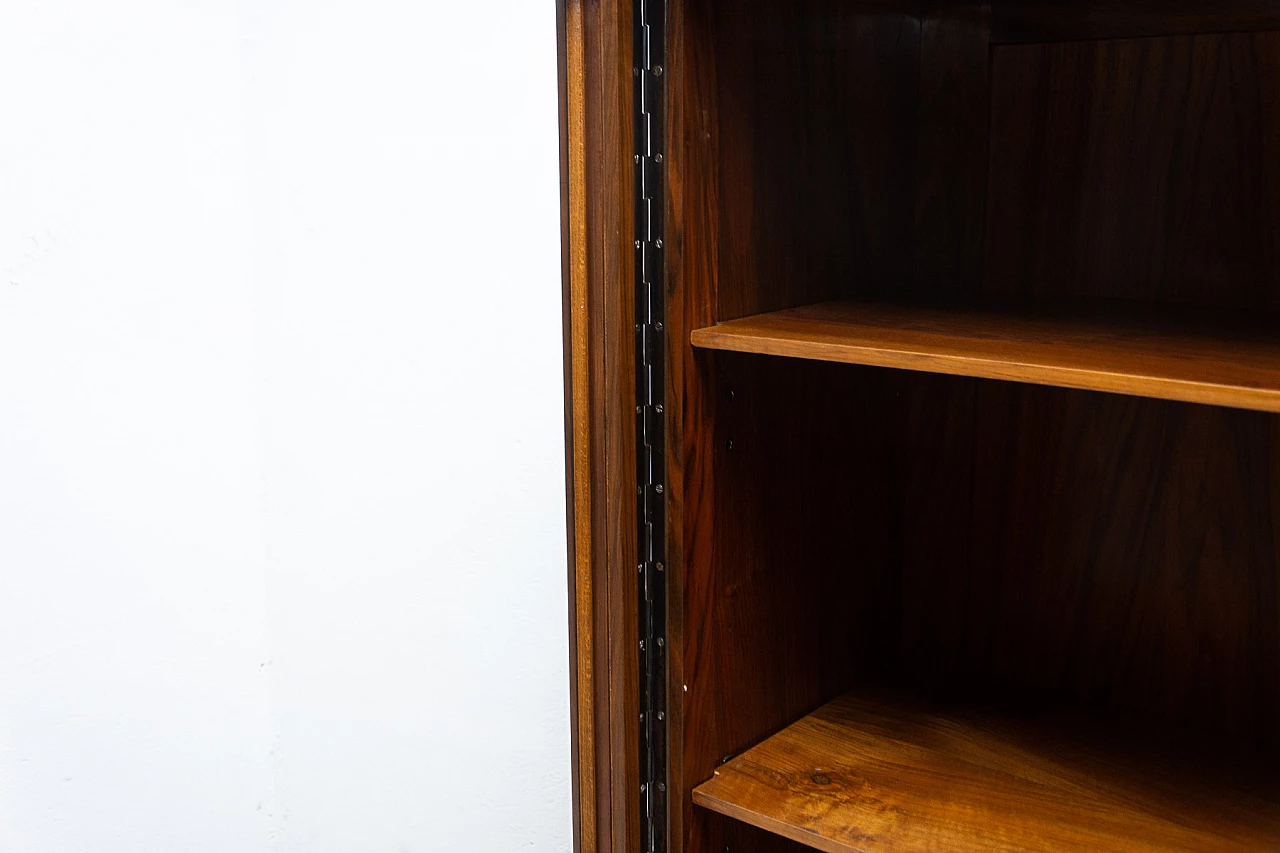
[(873, 775)]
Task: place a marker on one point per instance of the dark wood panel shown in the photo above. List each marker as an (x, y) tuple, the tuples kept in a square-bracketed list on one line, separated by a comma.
[(799, 595), (792, 135), (817, 139), (692, 248), (1199, 356), (1097, 550), (1139, 169), (870, 775), (1068, 20), (951, 168), (600, 400)]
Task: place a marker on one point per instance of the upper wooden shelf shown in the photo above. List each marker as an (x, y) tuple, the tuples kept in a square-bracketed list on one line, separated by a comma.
[(866, 775), (1195, 358)]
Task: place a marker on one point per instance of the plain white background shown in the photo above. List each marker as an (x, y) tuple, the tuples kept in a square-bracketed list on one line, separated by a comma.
[(281, 437)]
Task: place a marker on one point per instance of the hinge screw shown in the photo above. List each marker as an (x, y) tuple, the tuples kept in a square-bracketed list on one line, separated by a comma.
[(640, 568), (658, 243), (657, 158), (637, 158), (730, 395), (657, 71), (637, 244), (658, 488), (635, 69), (660, 644), (658, 408), (728, 445), (662, 786), (660, 717), (658, 326), (661, 567)]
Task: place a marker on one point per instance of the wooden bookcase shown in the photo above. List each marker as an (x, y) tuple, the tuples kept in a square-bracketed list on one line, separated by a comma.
[(964, 432)]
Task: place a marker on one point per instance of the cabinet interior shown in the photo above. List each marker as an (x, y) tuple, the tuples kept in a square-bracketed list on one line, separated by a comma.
[(1103, 554)]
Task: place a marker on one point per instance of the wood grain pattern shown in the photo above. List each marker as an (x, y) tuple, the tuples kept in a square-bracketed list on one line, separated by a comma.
[(951, 167), (1144, 169), (1092, 551), (600, 401), (789, 170), (817, 137), (578, 430), (799, 593), (1178, 359), (1016, 21), (867, 775)]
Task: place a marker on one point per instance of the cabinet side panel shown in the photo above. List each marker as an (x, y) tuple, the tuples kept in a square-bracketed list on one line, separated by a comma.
[(797, 597), (817, 115)]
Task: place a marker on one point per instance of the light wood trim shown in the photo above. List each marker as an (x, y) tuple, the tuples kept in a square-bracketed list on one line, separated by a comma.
[(578, 433)]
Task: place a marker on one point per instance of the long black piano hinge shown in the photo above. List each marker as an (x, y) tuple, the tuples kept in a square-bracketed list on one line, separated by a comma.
[(649, 18)]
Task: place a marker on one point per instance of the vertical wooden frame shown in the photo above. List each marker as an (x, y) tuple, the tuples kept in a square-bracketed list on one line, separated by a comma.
[(597, 233)]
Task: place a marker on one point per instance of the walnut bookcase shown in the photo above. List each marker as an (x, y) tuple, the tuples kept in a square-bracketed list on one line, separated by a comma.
[(923, 409)]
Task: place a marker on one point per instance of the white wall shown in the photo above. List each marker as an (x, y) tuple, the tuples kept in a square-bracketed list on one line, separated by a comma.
[(281, 456)]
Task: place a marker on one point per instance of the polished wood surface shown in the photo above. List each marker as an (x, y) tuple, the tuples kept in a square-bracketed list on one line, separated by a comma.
[(1090, 551), (1002, 542), (812, 109), (1225, 363), (870, 775), (600, 399), (1142, 169), (790, 174), (1071, 20)]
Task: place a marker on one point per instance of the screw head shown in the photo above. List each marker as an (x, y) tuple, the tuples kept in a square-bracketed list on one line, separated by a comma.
[(657, 71), (657, 158), (728, 445)]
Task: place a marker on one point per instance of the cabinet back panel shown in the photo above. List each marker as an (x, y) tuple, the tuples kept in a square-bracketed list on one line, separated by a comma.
[(1116, 552), (1141, 169)]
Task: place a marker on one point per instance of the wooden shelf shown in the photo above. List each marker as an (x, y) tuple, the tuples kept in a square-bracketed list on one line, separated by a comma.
[(873, 776), (1197, 359)]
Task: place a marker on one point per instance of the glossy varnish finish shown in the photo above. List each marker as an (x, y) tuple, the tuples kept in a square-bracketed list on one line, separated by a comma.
[(868, 775), (765, 99), (595, 97), (1144, 169), (971, 538), (1092, 550), (1226, 362)]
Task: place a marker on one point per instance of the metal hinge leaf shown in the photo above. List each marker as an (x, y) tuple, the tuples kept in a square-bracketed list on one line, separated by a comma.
[(649, 45)]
